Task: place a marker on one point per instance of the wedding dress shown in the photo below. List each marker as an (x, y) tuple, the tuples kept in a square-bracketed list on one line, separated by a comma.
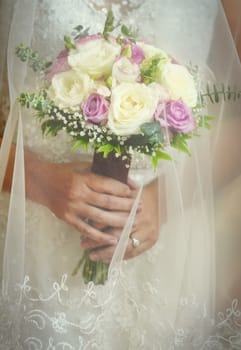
[(173, 296)]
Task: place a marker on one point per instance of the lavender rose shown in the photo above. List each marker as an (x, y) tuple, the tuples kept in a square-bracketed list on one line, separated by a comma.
[(176, 116), (95, 108)]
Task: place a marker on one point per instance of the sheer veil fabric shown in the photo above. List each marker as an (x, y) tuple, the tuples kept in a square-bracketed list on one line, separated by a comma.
[(183, 293)]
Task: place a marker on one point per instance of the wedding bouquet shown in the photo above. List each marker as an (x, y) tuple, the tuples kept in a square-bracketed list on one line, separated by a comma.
[(118, 95)]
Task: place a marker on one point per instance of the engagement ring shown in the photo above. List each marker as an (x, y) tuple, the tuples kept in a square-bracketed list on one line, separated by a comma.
[(135, 242)]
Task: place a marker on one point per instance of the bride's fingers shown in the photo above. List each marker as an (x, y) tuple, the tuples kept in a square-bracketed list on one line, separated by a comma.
[(138, 243), (105, 253), (103, 217), (89, 231), (132, 184), (88, 244)]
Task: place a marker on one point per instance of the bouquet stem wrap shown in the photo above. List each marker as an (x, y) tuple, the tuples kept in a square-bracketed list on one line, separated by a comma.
[(116, 168), (111, 166)]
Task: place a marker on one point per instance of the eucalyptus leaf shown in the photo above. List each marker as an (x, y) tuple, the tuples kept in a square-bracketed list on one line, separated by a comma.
[(27, 54), (153, 132)]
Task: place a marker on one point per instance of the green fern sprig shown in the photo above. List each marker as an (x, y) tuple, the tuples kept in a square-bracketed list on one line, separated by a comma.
[(215, 94)]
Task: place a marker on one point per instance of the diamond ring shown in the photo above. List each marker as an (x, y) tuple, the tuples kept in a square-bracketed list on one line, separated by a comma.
[(135, 242)]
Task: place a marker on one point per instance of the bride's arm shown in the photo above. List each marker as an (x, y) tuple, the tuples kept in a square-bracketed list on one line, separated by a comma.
[(232, 10), (227, 155)]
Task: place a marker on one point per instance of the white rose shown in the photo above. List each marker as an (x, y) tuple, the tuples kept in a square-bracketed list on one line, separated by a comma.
[(160, 90), (102, 90), (70, 88), (151, 51), (125, 71), (132, 104), (180, 83), (94, 56)]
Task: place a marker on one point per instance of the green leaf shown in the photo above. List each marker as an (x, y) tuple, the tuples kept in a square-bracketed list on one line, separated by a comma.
[(150, 128), (106, 149), (127, 52), (79, 144), (80, 32), (38, 102), (51, 127), (69, 45), (180, 142), (150, 68), (137, 140), (215, 94), (153, 132), (27, 54), (108, 81), (205, 121), (117, 149), (109, 24), (128, 33), (159, 155)]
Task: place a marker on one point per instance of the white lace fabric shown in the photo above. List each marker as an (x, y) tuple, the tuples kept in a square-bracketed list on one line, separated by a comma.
[(162, 299)]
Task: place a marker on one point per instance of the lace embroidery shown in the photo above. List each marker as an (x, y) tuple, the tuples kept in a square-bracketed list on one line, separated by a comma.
[(222, 333)]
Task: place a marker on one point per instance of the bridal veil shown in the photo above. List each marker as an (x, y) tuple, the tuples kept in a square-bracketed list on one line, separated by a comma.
[(185, 291)]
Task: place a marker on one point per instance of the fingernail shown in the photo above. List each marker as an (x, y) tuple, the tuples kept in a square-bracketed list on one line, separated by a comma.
[(113, 240)]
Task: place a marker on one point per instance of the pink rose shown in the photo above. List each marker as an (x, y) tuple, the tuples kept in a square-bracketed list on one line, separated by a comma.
[(176, 116), (95, 108), (88, 38), (137, 54), (60, 65)]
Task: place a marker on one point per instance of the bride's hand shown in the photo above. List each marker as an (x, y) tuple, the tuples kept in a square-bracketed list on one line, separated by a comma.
[(145, 229), (76, 196)]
